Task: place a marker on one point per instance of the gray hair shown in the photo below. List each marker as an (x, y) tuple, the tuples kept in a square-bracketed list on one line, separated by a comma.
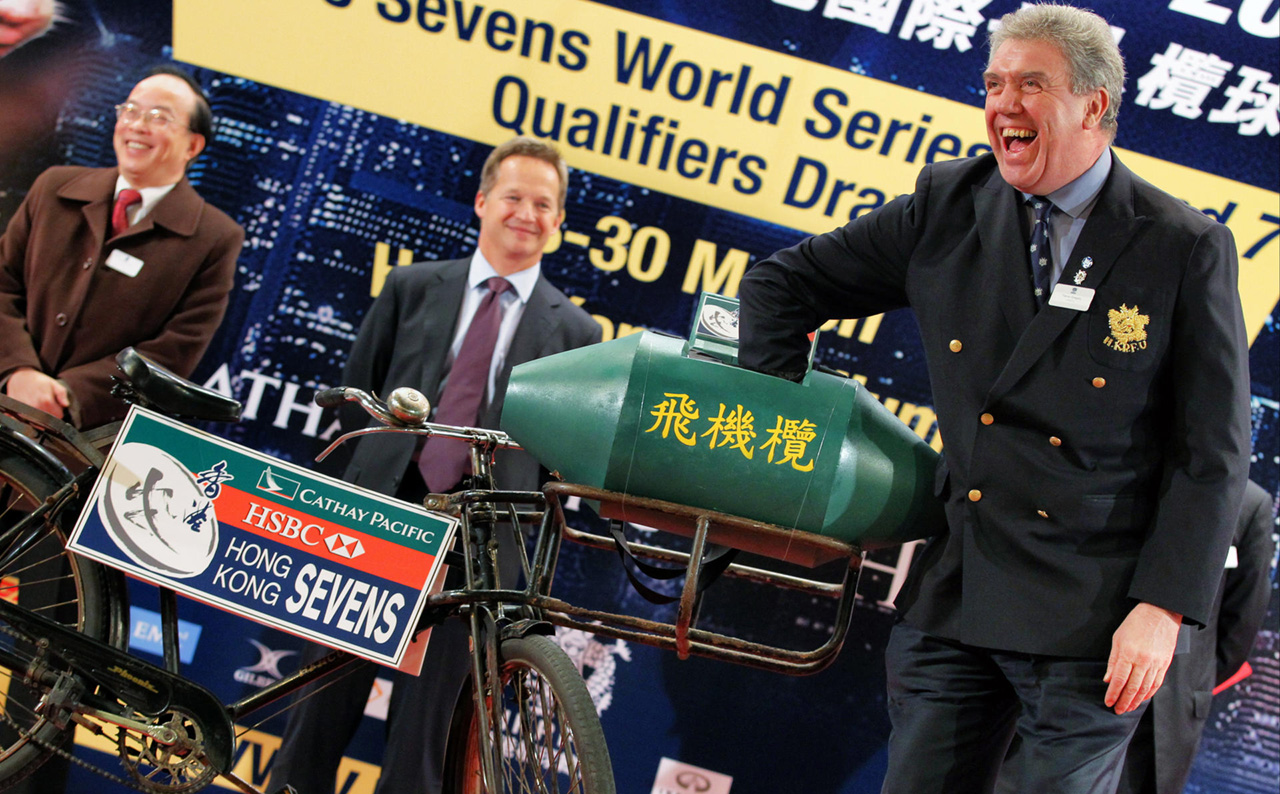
[(1083, 38)]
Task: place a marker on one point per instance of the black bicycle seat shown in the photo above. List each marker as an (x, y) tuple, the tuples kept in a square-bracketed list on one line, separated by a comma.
[(173, 395)]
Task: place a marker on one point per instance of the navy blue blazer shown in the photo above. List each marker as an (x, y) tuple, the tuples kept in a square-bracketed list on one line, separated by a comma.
[(1093, 459)]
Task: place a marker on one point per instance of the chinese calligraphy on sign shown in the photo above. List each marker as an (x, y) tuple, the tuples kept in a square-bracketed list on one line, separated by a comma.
[(734, 428), (674, 416), (1181, 80), (794, 436)]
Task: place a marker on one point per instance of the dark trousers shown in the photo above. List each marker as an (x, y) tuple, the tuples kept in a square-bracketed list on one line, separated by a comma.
[(955, 708), (1139, 773), (320, 727)]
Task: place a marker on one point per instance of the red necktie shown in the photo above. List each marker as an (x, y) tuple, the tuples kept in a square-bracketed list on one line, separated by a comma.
[(120, 213), (444, 460)]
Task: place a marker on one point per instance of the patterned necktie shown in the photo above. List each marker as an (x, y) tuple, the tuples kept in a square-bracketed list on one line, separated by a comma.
[(1041, 256), (443, 460), (120, 212)]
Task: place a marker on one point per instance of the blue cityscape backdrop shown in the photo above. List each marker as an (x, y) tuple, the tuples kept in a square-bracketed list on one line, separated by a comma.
[(331, 195)]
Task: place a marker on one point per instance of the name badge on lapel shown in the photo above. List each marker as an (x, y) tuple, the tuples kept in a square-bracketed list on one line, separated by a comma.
[(1066, 296), (128, 264)]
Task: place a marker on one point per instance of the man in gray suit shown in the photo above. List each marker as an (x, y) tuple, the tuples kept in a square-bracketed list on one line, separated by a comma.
[(1164, 747), (1089, 366), (414, 335)]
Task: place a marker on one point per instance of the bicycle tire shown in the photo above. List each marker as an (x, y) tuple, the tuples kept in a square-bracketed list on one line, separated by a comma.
[(51, 580), (575, 760)]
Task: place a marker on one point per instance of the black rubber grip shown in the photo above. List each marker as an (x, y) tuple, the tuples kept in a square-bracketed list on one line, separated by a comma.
[(327, 398)]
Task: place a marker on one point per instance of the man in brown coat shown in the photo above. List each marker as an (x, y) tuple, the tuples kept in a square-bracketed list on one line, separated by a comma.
[(97, 259)]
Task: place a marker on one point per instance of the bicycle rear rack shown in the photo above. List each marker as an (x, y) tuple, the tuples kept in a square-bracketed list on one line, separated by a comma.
[(703, 526)]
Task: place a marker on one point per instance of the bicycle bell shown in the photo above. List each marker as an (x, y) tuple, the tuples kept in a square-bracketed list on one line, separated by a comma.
[(408, 405)]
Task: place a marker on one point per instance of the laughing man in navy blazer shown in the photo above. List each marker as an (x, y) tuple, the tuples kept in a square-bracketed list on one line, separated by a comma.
[(1088, 361)]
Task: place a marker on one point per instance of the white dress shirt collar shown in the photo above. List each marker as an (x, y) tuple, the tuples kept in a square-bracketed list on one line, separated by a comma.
[(1077, 195), (150, 198), (523, 281)]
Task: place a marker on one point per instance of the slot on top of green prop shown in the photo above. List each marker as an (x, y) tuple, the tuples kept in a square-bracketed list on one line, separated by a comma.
[(714, 331)]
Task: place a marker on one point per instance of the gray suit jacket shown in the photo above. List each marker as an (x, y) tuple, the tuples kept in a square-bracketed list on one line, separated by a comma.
[(1161, 754), (404, 341)]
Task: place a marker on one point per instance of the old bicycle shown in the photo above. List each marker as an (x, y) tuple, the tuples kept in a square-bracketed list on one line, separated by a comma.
[(528, 723)]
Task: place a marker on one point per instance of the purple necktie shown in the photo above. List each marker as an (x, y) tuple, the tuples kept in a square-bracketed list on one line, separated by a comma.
[(444, 460)]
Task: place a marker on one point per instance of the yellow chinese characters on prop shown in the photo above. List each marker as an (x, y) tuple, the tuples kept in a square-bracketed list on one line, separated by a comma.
[(788, 440), (735, 430), (794, 435), (674, 415)]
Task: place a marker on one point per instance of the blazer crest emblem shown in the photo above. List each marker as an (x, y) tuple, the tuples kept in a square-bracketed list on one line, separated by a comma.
[(1128, 329)]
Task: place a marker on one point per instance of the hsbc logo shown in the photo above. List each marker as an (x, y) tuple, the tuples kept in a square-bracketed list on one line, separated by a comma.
[(344, 545), (290, 527)]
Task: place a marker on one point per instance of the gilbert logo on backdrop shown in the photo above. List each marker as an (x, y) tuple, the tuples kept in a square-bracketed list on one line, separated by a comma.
[(597, 662), (267, 670)]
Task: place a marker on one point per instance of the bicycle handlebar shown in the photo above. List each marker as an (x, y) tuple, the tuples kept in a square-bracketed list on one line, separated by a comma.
[(328, 398), (405, 411)]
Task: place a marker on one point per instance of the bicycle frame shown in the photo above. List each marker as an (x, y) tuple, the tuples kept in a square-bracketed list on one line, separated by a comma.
[(495, 610), (36, 433)]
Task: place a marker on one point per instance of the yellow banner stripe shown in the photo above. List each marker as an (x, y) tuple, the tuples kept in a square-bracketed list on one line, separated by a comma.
[(694, 115)]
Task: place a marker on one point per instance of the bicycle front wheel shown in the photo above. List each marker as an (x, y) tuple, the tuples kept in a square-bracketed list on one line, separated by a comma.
[(549, 738), (38, 573)]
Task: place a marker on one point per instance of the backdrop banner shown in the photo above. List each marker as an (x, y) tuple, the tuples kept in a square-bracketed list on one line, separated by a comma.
[(701, 137)]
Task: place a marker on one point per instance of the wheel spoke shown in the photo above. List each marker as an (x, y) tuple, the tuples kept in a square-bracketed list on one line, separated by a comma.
[(544, 706), (37, 574), (7, 500)]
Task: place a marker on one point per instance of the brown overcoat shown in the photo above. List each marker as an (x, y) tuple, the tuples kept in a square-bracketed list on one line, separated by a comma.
[(64, 311)]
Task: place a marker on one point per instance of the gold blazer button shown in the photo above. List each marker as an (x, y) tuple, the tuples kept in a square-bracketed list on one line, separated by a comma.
[(975, 495), (955, 346), (1098, 383), (987, 419), (1055, 441)]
